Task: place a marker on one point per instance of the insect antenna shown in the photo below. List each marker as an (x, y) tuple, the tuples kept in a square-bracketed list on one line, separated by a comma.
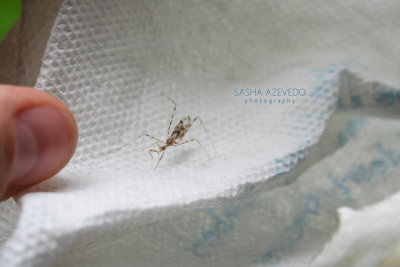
[(145, 134)]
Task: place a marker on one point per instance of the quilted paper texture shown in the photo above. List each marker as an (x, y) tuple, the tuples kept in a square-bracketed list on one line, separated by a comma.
[(109, 61)]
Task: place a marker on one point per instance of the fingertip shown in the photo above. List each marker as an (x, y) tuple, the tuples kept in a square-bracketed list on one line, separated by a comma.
[(42, 138)]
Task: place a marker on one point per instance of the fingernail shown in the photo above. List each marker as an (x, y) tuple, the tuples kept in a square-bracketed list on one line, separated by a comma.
[(44, 144)]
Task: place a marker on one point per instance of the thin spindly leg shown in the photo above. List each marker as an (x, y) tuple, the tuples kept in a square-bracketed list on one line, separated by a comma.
[(152, 144), (152, 137), (173, 113), (156, 144), (194, 140), (145, 134), (205, 129), (153, 150), (162, 155)]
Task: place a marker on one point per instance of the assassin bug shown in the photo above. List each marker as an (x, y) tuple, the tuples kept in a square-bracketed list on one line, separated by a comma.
[(175, 138)]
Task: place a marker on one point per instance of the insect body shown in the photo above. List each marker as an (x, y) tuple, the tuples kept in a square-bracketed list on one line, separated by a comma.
[(180, 130), (175, 138)]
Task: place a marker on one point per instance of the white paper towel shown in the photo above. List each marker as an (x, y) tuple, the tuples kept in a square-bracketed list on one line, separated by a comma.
[(364, 236), (110, 60)]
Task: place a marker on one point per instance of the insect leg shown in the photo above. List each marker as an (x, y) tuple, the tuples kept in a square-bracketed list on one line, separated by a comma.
[(162, 155), (194, 140), (145, 134), (173, 113), (152, 137), (155, 143), (205, 129), (153, 150)]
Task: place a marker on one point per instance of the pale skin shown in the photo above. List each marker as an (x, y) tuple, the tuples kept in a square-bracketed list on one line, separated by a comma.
[(38, 136)]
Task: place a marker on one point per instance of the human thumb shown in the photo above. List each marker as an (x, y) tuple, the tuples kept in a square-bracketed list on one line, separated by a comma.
[(38, 136)]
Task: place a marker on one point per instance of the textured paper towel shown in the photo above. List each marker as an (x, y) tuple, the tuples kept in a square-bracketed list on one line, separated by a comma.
[(109, 61), (364, 237)]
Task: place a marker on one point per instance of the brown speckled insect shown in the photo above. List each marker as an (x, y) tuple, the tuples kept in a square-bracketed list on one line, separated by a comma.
[(175, 138)]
